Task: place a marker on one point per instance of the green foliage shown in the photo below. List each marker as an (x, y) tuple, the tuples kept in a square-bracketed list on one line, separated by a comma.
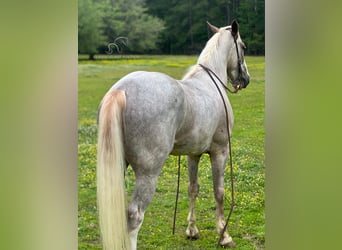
[(252, 19), (164, 26), (186, 30), (247, 225), (90, 24), (129, 19), (102, 21)]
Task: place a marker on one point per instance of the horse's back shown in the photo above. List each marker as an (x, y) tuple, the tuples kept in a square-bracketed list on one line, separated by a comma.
[(154, 110), (150, 94)]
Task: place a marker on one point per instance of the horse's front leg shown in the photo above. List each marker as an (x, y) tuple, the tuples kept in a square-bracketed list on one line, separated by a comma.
[(193, 188), (218, 162)]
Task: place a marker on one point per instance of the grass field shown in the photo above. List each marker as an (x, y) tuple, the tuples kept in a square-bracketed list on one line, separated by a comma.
[(247, 225)]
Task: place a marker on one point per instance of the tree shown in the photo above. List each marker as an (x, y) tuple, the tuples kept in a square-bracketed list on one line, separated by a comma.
[(186, 30), (252, 23), (185, 27), (166, 26), (100, 22), (130, 19), (90, 24)]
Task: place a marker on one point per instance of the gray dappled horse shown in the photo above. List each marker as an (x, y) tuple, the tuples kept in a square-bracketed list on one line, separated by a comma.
[(146, 116)]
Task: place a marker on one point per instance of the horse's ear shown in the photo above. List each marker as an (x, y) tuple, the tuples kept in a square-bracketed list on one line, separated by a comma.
[(235, 28), (213, 28)]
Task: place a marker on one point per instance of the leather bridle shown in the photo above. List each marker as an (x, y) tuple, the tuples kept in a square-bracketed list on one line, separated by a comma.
[(237, 82)]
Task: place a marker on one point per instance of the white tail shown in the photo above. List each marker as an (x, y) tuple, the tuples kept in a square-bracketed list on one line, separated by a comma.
[(110, 173)]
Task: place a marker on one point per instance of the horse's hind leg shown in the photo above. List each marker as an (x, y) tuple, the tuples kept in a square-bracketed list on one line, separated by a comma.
[(147, 171), (144, 190), (218, 161), (192, 231)]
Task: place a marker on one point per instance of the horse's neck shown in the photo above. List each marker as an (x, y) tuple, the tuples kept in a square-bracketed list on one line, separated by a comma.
[(215, 57)]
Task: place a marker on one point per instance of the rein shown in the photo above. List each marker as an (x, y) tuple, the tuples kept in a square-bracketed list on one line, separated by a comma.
[(238, 80), (211, 73), (175, 211), (229, 148)]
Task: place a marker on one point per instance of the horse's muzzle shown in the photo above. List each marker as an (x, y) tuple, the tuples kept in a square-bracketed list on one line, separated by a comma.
[(241, 83), (245, 81)]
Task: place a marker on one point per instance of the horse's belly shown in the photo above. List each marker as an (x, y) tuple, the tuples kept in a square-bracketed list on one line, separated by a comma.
[(187, 151), (190, 147)]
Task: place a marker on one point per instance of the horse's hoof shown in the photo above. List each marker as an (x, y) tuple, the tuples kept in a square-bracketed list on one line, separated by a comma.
[(192, 233), (230, 244), (193, 237)]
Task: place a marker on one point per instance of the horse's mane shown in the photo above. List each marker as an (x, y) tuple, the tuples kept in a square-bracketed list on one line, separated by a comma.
[(209, 52)]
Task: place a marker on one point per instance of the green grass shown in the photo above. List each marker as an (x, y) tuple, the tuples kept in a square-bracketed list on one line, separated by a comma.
[(247, 225)]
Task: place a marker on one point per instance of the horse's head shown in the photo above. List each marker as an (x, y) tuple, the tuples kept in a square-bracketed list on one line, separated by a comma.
[(236, 67)]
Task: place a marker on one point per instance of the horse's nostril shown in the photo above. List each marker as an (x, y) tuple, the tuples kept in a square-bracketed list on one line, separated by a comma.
[(247, 80)]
